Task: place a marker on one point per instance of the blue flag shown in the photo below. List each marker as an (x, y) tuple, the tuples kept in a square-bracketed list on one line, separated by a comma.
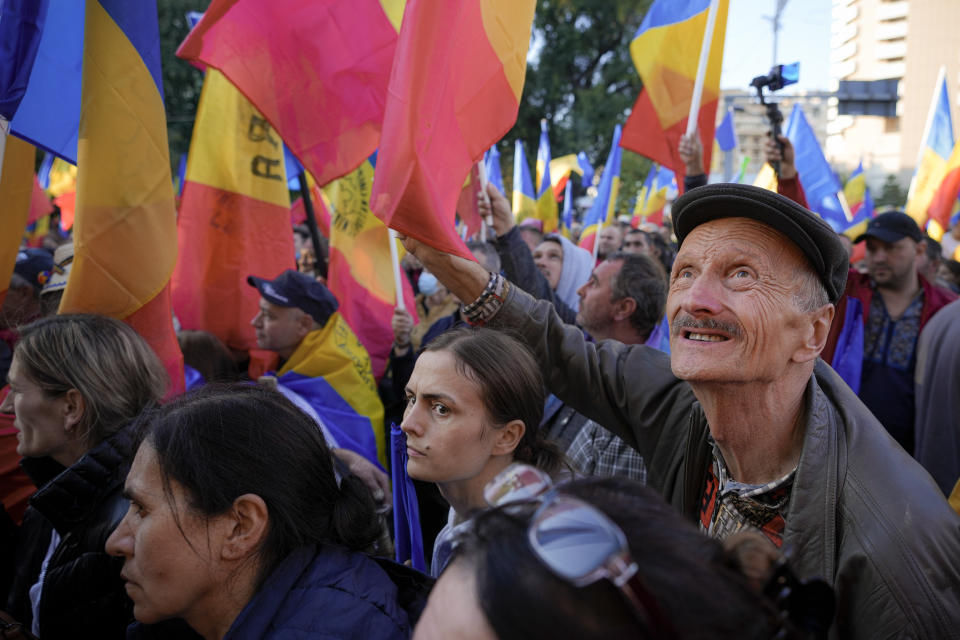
[(21, 28), (49, 113), (726, 135), (819, 182), (567, 216), (492, 163), (408, 537), (586, 167)]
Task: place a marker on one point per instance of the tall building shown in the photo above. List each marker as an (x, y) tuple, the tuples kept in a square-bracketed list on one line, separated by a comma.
[(908, 40)]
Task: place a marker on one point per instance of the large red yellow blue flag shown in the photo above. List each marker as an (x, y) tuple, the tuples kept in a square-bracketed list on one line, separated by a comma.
[(524, 199), (234, 216), (125, 235), (935, 151), (454, 90), (944, 202), (330, 370), (16, 190), (546, 199), (665, 51), (361, 272), (601, 212), (318, 70)]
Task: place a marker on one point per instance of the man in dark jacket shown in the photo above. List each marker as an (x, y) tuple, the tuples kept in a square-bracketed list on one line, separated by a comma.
[(743, 426), (895, 302)]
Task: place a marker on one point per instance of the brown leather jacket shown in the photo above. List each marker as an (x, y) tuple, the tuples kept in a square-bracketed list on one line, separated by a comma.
[(863, 514)]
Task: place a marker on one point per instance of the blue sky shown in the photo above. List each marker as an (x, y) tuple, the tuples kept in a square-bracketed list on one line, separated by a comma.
[(804, 37)]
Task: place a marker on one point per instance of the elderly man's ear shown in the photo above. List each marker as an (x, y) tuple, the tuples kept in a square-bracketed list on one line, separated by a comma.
[(815, 334)]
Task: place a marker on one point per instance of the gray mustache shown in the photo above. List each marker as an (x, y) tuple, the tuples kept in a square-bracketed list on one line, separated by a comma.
[(686, 321)]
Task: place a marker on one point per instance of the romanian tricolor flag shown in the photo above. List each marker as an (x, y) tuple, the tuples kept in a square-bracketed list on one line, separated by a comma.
[(566, 219), (494, 172), (666, 52), (16, 192), (318, 71), (944, 202), (360, 273), (657, 196), (125, 235), (560, 170), (524, 198), (639, 207), (858, 198), (600, 213), (234, 216), (331, 370), (546, 200), (766, 178), (935, 151), (454, 90)]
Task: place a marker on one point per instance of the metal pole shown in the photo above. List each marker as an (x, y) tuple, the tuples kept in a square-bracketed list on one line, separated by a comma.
[(319, 265)]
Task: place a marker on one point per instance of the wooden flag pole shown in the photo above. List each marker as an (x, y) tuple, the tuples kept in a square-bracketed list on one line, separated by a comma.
[(702, 69), (397, 282)]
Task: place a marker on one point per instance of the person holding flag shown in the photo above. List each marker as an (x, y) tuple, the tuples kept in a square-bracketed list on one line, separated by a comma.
[(323, 369)]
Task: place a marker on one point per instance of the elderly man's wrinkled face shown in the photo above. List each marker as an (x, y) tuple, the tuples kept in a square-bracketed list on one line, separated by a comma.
[(732, 303)]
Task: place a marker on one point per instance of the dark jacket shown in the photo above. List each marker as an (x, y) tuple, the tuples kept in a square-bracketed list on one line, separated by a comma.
[(83, 595), (326, 593), (520, 269), (863, 514)]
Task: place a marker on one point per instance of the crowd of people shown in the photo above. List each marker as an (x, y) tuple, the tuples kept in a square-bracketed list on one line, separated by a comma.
[(721, 428)]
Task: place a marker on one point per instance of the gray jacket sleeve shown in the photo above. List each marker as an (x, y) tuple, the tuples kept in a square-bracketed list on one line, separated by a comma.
[(519, 268), (627, 388)]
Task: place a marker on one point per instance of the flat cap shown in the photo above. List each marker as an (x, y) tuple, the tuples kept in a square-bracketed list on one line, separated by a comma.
[(807, 230)]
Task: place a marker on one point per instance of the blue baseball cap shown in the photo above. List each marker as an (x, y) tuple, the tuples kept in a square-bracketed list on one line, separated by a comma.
[(294, 289), (33, 265)]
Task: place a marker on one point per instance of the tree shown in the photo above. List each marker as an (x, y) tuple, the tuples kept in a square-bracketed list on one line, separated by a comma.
[(580, 77), (891, 195), (181, 81)]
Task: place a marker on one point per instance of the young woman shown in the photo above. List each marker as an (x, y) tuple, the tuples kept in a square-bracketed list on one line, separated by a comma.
[(474, 404), (238, 527), (77, 382)]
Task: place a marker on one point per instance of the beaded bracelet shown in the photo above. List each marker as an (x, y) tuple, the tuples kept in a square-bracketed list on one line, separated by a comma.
[(481, 310)]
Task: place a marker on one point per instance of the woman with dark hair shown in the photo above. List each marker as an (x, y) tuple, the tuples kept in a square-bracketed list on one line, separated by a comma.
[(77, 382), (474, 403), (600, 559), (238, 526)]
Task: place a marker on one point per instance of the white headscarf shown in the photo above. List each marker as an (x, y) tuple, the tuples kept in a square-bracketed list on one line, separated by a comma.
[(577, 266)]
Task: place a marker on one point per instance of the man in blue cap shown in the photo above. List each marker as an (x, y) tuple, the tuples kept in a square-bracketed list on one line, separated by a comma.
[(22, 301), (895, 302), (323, 367)]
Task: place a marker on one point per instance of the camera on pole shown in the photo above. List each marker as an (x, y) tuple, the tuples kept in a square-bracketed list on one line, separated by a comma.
[(780, 76)]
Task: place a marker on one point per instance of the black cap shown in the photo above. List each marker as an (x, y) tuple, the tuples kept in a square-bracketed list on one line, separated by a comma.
[(294, 289), (892, 226), (33, 265), (804, 228)]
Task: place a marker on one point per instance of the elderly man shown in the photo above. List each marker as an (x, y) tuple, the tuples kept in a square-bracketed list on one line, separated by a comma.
[(742, 426)]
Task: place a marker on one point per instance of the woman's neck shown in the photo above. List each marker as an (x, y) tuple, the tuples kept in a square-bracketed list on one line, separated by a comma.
[(466, 496)]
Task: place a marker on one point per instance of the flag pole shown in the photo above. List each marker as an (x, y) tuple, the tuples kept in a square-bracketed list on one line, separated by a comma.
[(395, 259), (319, 265), (487, 221), (4, 132), (702, 68)]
